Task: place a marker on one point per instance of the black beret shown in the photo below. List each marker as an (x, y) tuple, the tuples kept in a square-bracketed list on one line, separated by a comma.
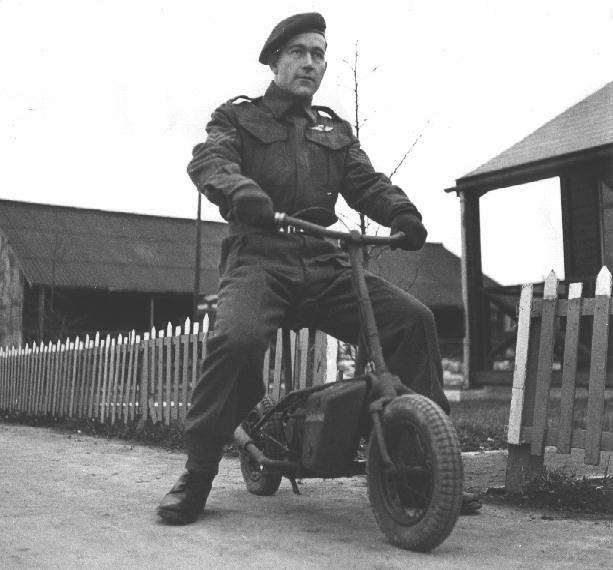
[(292, 26)]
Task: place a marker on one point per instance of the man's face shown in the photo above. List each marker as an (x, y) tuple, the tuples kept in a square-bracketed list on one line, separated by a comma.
[(301, 64)]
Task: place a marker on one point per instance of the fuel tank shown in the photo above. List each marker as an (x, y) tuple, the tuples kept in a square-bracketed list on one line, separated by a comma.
[(331, 427)]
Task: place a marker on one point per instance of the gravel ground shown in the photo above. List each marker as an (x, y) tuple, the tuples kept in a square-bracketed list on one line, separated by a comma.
[(73, 501)]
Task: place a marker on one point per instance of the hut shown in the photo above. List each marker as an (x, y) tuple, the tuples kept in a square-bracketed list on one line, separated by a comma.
[(576, 147), (66, 271)]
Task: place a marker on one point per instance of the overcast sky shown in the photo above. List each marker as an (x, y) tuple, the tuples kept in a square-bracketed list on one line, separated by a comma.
[(102, 101)]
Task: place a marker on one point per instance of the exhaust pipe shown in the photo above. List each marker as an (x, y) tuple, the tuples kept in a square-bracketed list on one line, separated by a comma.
[(243, 441)]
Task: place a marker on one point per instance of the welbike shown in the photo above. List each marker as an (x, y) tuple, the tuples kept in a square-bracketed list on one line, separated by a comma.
[(371, 423)]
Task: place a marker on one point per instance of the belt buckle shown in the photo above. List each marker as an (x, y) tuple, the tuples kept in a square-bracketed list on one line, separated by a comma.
[(291, 230)]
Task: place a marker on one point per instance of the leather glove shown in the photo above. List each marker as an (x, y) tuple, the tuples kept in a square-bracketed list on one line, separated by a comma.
[(415, 232), (252, 206)]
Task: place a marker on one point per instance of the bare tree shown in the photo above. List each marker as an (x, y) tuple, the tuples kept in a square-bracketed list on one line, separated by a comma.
[(358, 122)]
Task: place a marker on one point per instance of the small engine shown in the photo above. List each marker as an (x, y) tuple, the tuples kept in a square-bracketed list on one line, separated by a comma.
[(329, 427)]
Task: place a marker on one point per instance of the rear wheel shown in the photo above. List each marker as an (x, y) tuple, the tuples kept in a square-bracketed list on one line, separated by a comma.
[(416, 504), (257, 479)]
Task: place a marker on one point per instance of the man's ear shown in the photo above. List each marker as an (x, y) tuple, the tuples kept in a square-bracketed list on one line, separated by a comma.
[(273, 61)]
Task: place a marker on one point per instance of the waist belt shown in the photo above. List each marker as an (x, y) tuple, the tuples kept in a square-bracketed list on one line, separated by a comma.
[(240, 228), (235, 228)]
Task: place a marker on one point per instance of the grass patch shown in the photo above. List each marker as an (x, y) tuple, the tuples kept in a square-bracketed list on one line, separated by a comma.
[(561, 490), (481, 425), (160, 435)]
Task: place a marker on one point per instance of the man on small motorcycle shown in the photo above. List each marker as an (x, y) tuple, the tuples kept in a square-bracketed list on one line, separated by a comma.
[(279, 152)]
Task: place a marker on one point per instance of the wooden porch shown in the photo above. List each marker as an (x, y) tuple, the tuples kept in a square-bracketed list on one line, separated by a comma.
[(577, 148)]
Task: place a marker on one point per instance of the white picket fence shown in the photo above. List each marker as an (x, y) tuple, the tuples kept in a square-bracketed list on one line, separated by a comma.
[(530, 429), (133, 378)]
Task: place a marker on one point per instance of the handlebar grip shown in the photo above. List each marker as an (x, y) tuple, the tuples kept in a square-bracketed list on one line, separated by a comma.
[(283, 220)]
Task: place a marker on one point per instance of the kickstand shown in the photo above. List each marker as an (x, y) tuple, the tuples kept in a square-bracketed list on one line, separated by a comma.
[(294, 486)]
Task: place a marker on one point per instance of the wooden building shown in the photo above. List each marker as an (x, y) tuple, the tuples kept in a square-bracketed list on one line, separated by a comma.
[(433, 275), (577, 147), (71, 271), (68, 271)]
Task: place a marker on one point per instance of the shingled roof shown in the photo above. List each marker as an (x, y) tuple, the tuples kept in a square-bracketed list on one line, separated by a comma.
[(432, 274), (84, 248), (568, 137), (116, 251)]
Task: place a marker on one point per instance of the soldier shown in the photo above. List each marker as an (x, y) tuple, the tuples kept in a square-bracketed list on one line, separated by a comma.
[(279, 152)]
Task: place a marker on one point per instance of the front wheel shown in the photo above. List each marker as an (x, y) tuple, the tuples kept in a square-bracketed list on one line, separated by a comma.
[(257, 479), (417, 503)]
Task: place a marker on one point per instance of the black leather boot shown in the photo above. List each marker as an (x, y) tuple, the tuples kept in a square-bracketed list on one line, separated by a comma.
[(185, 501)]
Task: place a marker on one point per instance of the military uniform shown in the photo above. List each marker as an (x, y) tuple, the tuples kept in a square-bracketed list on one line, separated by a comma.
[(279, 153), (301, 157)]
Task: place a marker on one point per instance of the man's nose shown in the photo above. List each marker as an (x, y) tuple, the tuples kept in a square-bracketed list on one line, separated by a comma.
[(308, 60)]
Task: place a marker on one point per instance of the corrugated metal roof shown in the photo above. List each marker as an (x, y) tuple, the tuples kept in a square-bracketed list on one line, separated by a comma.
[(76, 247), (586, 125)]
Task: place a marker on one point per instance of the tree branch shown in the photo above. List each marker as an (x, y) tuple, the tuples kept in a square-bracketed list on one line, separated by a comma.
[(407, 153)]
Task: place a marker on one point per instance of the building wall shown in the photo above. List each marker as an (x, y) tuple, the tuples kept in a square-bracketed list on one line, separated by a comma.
[(80, 312), (581, 219), (11, 297)]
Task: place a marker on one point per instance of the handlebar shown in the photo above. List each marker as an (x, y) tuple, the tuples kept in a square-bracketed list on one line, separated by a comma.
[(354, 236)]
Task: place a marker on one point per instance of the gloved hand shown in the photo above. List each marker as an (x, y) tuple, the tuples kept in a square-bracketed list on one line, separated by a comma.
[(414, 231), (254, 207)]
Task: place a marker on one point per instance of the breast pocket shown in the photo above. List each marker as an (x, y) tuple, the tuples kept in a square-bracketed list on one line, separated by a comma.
[(327, 151), (265, 156)]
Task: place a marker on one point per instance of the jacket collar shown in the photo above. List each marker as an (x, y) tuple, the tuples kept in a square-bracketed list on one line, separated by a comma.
[(281, 103)]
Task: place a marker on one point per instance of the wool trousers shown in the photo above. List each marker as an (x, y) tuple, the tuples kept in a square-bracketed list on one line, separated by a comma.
[(273, 280)]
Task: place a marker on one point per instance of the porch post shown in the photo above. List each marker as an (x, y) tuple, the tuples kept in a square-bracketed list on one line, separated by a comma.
[(476, 333), (464, 278), (196, 293), (41, 313), (151, 312)]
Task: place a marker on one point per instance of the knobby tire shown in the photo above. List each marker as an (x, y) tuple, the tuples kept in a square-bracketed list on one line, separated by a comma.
[(416, 507)]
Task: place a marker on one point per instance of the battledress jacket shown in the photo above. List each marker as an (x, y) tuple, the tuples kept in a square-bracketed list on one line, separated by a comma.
[(300, 163)]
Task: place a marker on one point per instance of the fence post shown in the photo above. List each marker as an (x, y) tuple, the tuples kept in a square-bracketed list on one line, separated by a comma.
[(116, 370), (73, 375), (520, 461), (49, 357), (134, 374), (168, 346), (152, 372), (598, 367), (320, 358), (144, 383), (109, 350), (301, 355), (94, 380), (185, 340), (544, 366), (569, 368), (159, 348)]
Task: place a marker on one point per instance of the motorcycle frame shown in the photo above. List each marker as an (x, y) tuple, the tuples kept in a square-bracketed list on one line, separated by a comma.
[(384, 386)]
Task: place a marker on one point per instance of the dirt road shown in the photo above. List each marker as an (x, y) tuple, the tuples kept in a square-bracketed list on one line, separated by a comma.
[(83, 502)]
